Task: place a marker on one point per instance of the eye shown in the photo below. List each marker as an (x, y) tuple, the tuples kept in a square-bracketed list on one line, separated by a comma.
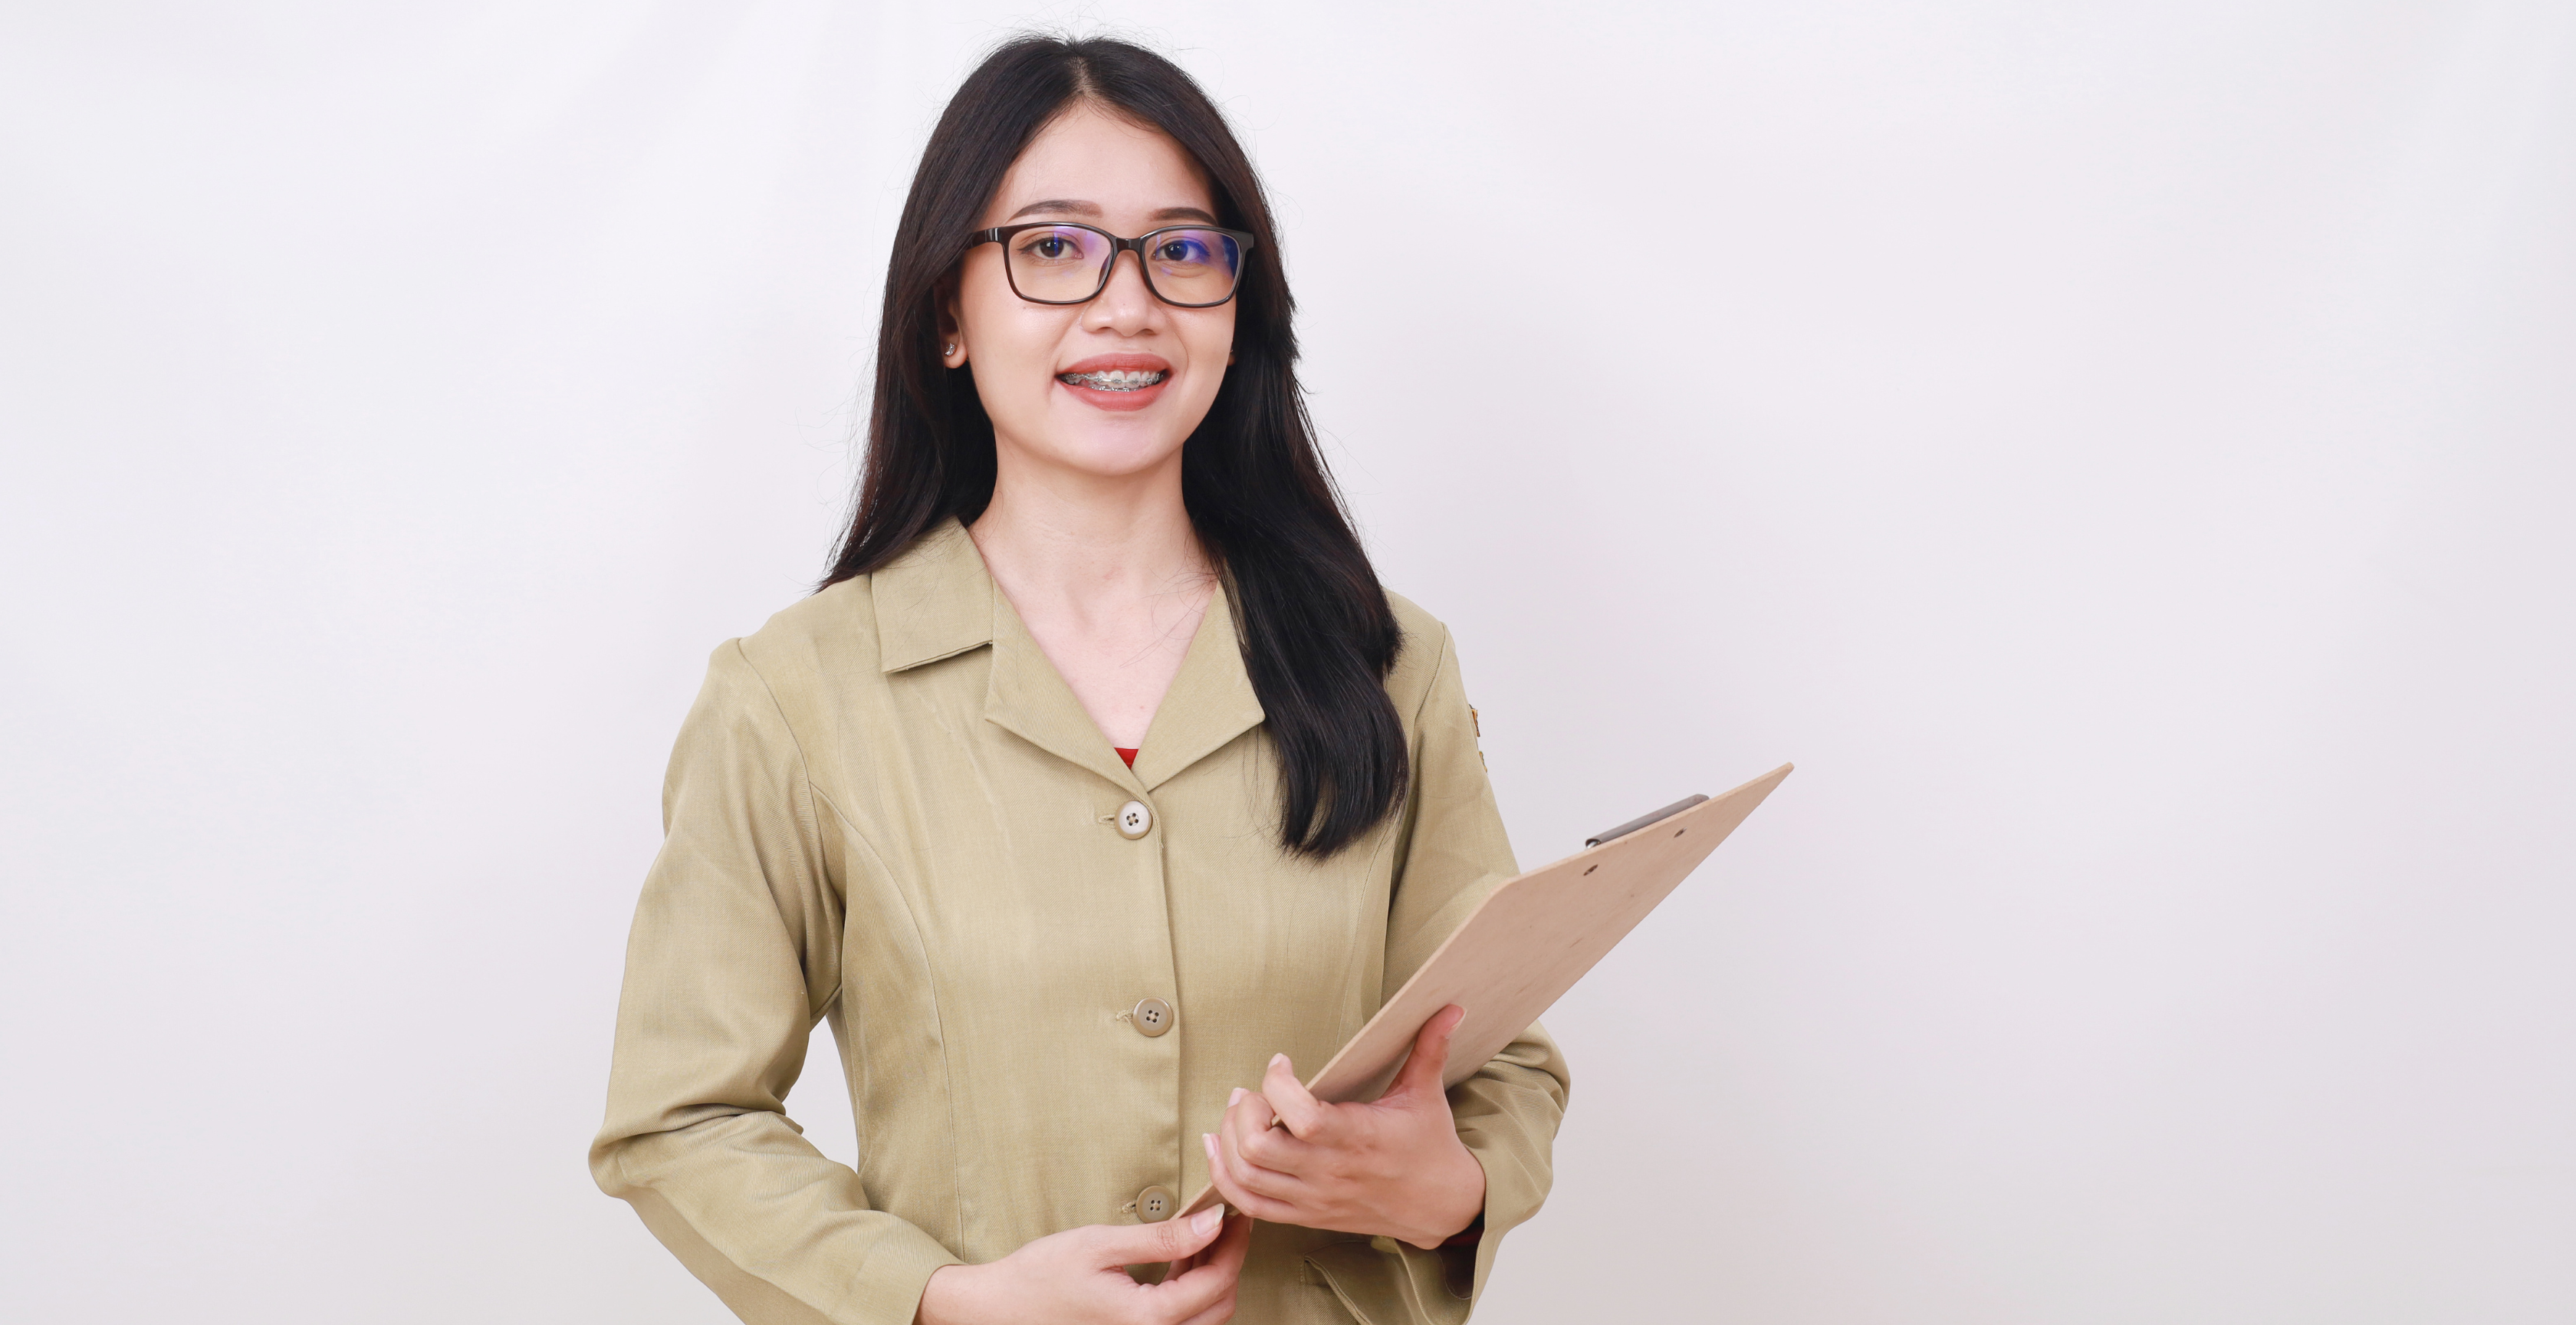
[(1050, 246), (1181, 248)]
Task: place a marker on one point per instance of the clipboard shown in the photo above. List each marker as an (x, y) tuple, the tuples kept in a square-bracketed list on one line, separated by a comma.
[(1529, 941)]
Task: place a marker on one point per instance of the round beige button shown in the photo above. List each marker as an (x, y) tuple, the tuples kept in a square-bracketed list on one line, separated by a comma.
[(1154, 1205), (1134, 820), (1152, 1017)]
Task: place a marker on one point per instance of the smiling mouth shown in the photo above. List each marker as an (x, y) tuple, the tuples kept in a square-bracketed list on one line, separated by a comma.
[(1114, 380)]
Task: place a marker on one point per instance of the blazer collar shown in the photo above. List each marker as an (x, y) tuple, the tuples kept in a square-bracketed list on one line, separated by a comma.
[(933, 602), (937, 601)]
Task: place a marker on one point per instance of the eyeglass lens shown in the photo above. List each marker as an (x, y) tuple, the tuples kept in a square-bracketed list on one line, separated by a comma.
[(1068, 264)]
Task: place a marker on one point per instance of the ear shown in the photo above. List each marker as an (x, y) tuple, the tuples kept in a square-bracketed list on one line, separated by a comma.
[(952, 334)]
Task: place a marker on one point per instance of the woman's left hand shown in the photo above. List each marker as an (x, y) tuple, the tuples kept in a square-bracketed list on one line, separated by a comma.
[(1394, 1167)]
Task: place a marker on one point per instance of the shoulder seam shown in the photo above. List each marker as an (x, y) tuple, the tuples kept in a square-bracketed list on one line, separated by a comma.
[(1431, 681)]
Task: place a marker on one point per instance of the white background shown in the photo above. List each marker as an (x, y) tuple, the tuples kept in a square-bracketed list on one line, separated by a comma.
[(2122, 451)]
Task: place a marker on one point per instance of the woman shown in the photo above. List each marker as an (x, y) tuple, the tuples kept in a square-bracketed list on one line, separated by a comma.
[(1099, 786)]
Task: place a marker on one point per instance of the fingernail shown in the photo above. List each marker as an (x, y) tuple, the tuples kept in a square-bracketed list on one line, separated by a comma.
[(1206, 1222), (1208, 1144), (1277, 1059), (1235, 1098)]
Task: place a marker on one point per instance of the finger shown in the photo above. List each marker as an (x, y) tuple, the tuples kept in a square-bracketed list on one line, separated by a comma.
[(1189, 1296), (1249, 1116), (1226, 1253), (1247, 1171), (1221, 1172), (1267, 1195), (1430, 1058), (1217, 1314), (1143, 1244), (1204, 1254), (1207, 1292), (1225, 1257), (1300, 1110), (1231, 1246), (1251, 1109), (1257, 1180), (1175, 1269), (1278, 1150)]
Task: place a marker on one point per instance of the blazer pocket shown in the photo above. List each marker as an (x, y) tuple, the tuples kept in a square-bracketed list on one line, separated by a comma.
[(1383, 1282)]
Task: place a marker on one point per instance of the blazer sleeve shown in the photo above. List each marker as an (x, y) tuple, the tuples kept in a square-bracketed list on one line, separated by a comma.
[(1452, 852), (734, 955)]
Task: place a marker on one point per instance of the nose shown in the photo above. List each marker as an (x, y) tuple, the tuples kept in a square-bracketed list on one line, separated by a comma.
[(1125, 306)]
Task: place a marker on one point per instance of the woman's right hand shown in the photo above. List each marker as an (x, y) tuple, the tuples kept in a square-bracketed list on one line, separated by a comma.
[(1079, 1277)]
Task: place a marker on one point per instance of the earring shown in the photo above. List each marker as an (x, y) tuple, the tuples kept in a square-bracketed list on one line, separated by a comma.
[(949, 350)]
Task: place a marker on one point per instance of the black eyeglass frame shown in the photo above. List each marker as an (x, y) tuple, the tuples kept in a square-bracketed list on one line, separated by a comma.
[(1002, 235)]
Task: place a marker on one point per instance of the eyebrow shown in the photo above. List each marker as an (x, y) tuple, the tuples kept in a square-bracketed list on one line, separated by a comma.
[(1079, 207)]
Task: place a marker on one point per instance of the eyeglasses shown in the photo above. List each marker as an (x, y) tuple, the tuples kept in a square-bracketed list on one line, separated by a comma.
[(1058, 262)]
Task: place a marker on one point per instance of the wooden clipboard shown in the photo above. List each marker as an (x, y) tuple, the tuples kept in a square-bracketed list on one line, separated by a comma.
[(1529, 941)]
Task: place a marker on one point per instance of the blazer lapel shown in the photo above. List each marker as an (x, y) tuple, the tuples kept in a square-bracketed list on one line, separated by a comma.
[(938, 601), (1209, 704), (1028, 697)]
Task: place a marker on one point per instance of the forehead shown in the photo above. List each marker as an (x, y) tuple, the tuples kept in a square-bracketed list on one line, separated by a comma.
[(1130, 170)]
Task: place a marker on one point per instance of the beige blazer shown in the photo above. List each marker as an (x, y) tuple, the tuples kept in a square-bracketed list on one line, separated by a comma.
[(888, 810)]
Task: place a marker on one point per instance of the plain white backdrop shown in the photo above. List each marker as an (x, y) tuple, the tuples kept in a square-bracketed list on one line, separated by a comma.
[(2122, 451)]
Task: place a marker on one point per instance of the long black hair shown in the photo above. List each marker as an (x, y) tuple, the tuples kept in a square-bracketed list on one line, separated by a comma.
[(1317, 633)]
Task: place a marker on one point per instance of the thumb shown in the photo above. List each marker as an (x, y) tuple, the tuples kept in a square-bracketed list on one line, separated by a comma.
[(1430, 1057), (1170, 1240)]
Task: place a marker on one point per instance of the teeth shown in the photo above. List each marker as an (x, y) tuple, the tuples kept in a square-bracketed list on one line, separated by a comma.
[(1116, 379)]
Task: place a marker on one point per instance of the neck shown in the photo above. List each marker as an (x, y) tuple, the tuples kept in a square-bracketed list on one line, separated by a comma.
[(1061, 540)]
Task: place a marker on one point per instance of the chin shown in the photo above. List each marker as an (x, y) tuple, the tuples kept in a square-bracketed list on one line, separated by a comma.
[(1115, 456), (1111, 445)]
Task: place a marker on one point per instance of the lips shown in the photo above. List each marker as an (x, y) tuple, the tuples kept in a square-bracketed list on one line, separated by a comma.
[(1117, 381)]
